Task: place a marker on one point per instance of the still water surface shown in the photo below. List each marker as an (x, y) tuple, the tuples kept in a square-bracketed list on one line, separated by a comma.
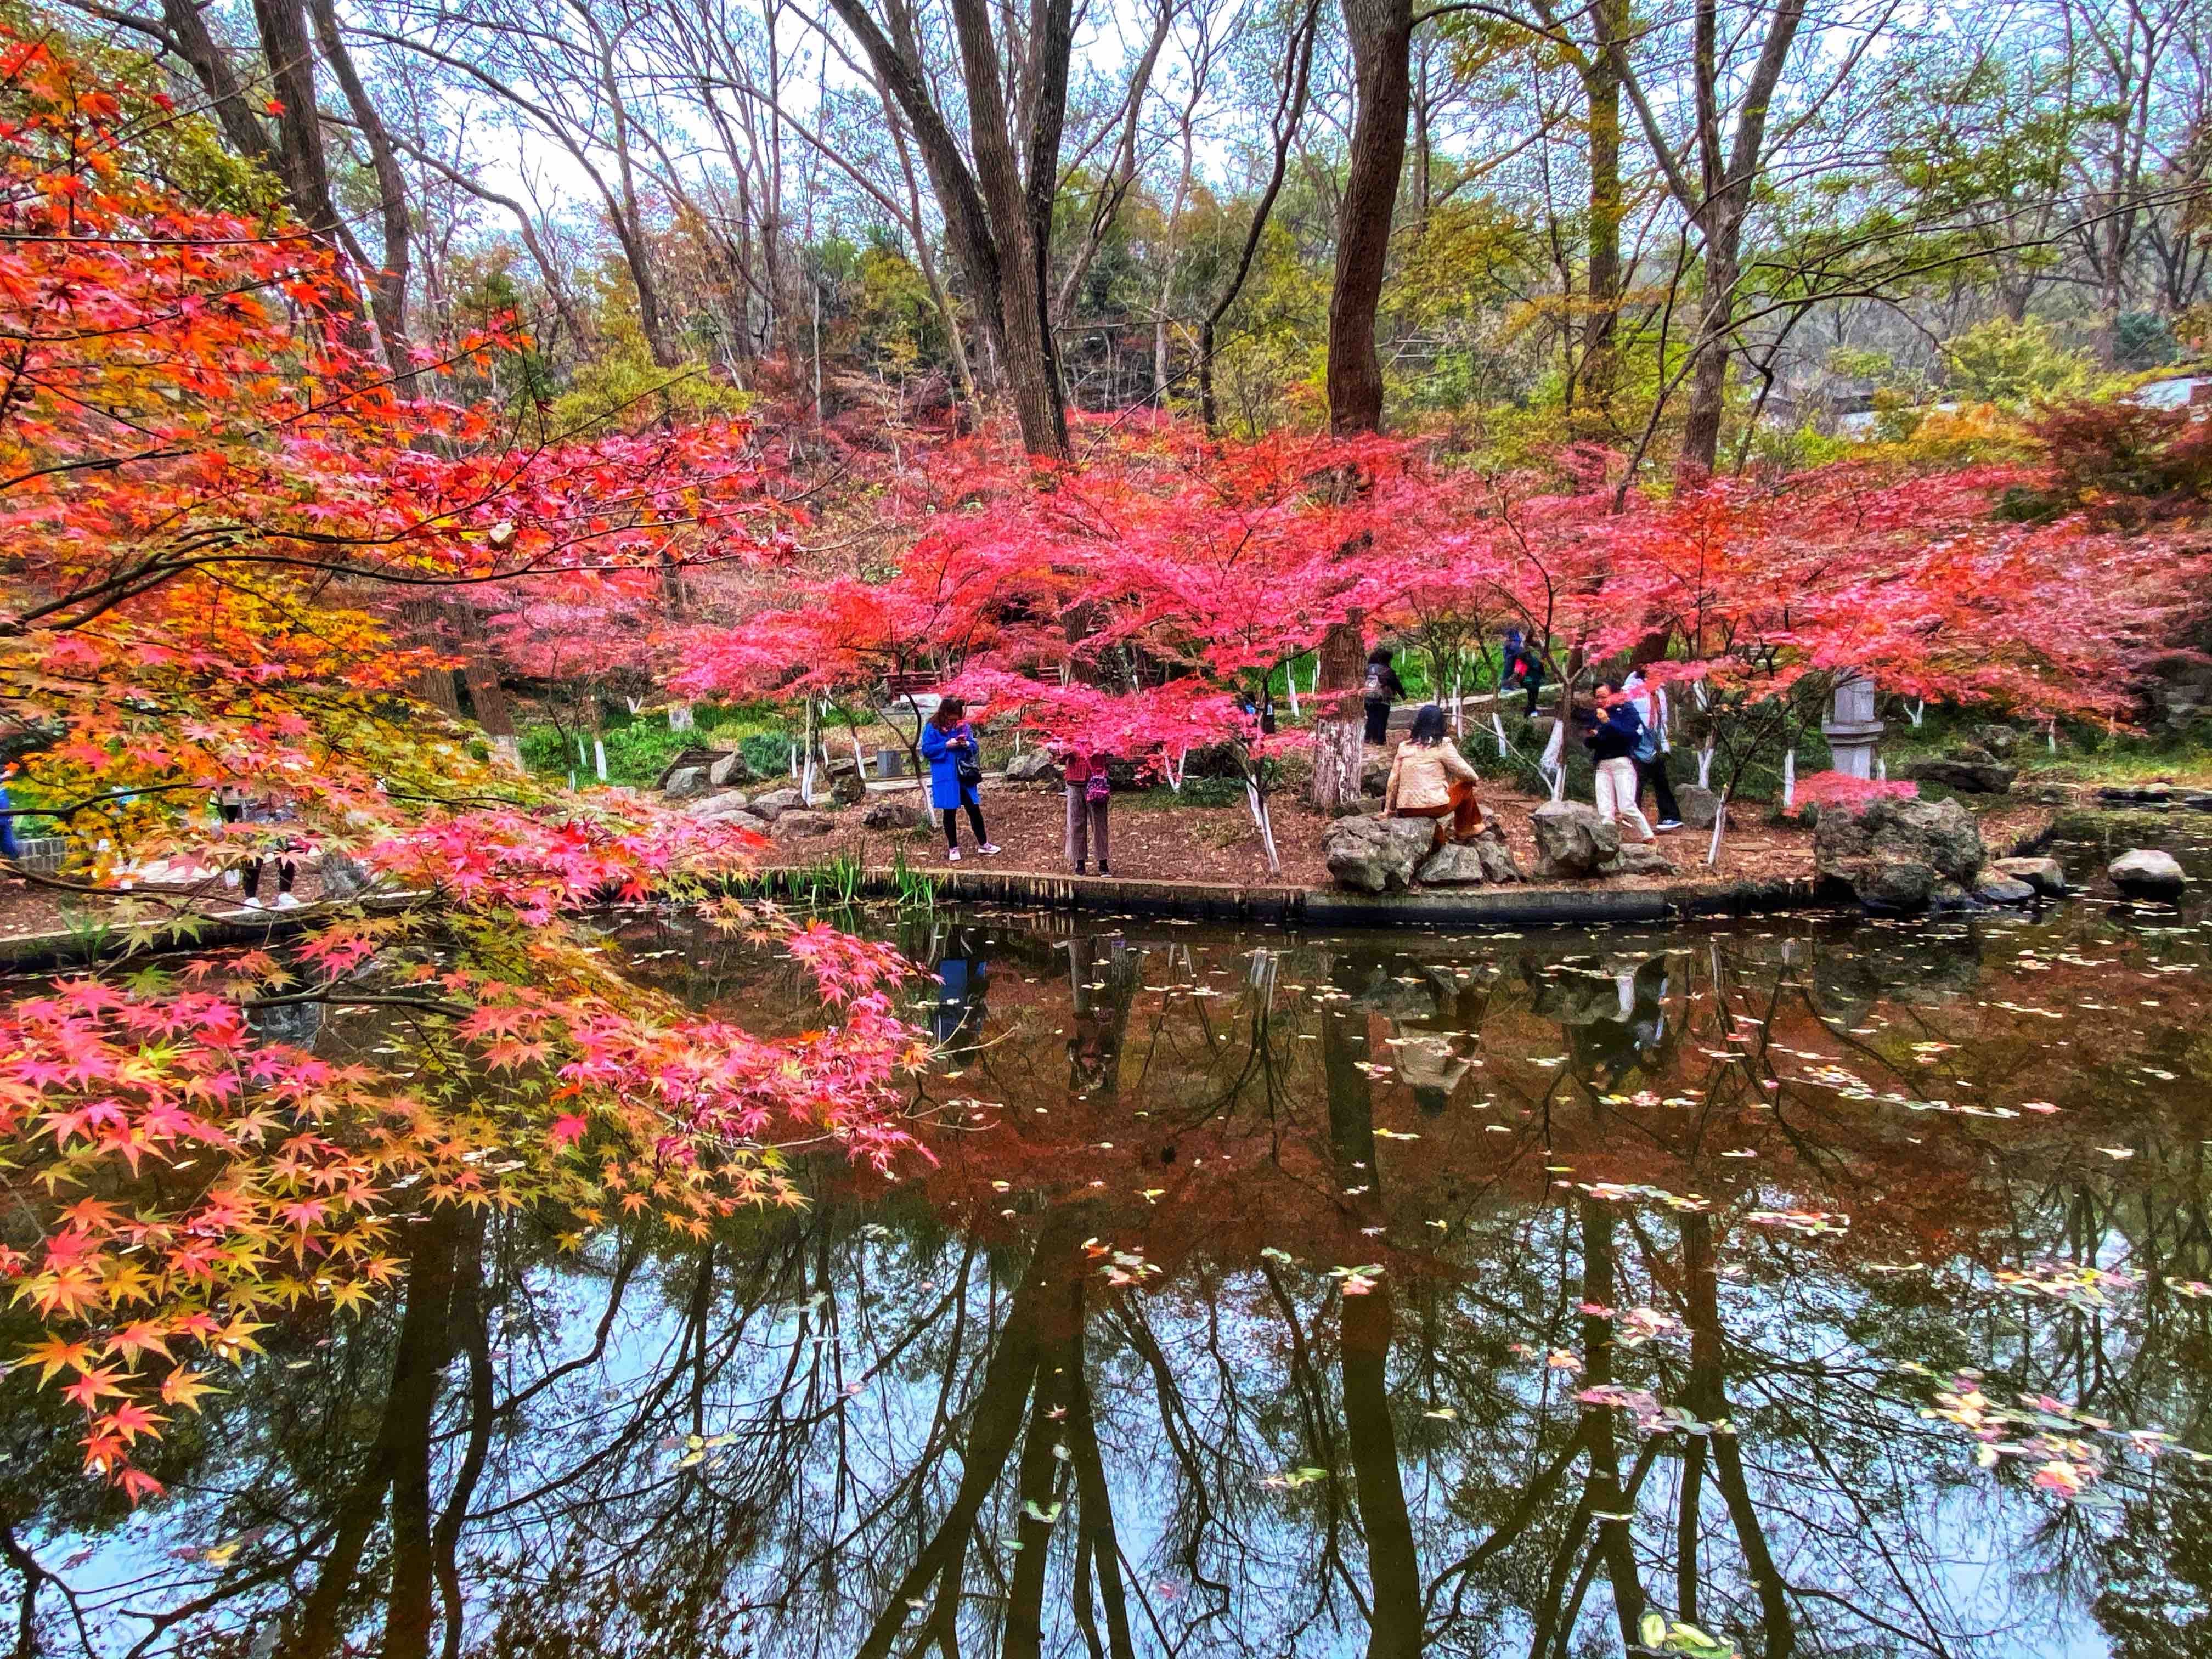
[(1837, 1289)]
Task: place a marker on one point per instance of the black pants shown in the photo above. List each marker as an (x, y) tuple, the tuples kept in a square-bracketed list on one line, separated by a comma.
[(1654, 772), (1378, 722), (975, 820), (250, 876)]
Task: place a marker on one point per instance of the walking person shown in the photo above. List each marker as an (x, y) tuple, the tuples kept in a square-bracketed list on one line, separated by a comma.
[(1613, 736), (1383, 688), (956, 773), (269, 809), (1090, 793), (1429, 779), (1650, 759), (1524, 667)]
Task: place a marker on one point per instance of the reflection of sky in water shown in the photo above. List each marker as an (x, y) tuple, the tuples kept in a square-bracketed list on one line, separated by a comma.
[(760, 1467)]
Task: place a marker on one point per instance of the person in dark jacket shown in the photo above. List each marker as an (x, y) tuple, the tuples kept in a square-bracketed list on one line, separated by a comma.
[(1382, 689), (1524, 667), (948, 742), (1613, 736)]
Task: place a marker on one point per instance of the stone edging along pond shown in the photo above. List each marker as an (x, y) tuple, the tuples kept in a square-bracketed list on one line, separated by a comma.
[(1514, 906)]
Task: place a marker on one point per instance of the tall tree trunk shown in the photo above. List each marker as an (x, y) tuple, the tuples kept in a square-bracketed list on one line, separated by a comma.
[(1601, 366), (1338, 718), (388, 289), (1382, 33), (1701, 431)]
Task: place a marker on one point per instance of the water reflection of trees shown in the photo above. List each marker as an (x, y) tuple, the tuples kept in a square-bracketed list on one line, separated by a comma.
[(928, 1417)]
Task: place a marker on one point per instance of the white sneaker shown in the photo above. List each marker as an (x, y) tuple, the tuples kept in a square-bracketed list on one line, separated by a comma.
[(989, 847), (953, 853), (253, 904), (230, 878), (287, 901)]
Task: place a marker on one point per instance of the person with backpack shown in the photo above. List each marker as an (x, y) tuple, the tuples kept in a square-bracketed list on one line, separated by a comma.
[(955, 774), (1382, 687), (1524, 667), (1650, 760), (1613, 736), (1090, 793)]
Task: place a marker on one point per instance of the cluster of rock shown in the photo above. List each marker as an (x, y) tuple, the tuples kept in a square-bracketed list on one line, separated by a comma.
[(1375, 854), (703, 780), (1573, 842), (1905, 855)]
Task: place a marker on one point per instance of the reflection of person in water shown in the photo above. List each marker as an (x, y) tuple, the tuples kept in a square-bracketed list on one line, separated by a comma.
[(963, 976), (1434, 1057), (1633, 1032), (1101, 974)]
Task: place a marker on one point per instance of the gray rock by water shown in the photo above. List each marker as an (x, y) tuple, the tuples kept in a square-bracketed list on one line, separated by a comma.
[(2003, 889), (343, 878), (1901, 855), (2046, 876), (775, 803), (1637, 858), (1700, 806), (1376, 854), (893, 815), (722, 806), (798, 821), (1572, 840), (1970, 776), (1468, 864), (2146, 872)]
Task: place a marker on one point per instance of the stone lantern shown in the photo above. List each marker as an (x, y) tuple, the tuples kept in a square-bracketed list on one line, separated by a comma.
[(1852, 726)]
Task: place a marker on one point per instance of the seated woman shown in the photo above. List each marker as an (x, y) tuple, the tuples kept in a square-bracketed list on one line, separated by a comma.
[(1428, 780)]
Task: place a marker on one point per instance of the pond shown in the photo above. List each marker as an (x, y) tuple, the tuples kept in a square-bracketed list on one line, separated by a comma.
[(1815, 1286)]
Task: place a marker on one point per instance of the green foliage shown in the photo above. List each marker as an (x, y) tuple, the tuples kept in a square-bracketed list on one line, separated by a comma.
[(627, 392), (2003, 361), (769, 753)]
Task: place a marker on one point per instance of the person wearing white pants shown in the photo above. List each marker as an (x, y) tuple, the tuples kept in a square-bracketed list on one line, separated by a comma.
[(1613, 740), (1616, 796)]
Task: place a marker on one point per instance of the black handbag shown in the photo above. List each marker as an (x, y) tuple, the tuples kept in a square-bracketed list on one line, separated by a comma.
[(968, 769)]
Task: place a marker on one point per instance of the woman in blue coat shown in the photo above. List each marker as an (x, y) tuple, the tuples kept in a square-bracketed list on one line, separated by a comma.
[(947, 744)]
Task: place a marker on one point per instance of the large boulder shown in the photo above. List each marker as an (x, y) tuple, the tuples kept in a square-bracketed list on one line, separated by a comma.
[(1637, 858), (684, 783), (1572, 840), (775, 803), (848, 787), (2144, 873), (1969, 771), (1376, 854), (1901, 855), (1999, 740), (792, 825), (726, 804), (1036, 766), (894, 815), (731, 768), (1999, 889), (1469, 863), (1700, 806), (2046, 876), (343, 878)]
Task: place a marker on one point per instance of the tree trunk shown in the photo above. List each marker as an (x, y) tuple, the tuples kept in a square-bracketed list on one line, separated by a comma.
[(1382, 33), (1338, 718), (1701, 432), (388, 289), (1601, 366)]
